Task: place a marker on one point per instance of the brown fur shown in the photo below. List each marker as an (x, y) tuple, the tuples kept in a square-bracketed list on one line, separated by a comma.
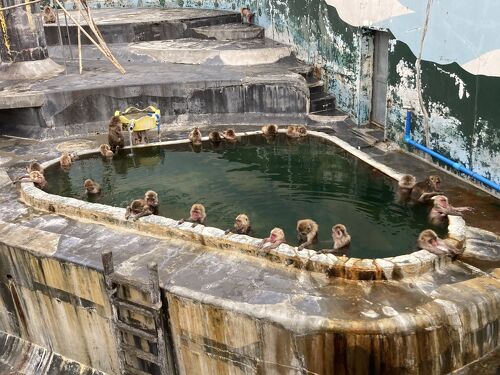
[(35, 166), (197, 215), (246, 15), (91, 187), (229, 135), (115, 134), (441, 209), (195, 136), (106, 151), (215, 137), (241, 225), (405, 186), (66, 160), (137, 209), (276, 238), (36, 177), (292, 132), (423, 191), (341, 239), (270, 130), (428, 240), (48, 15), (307, 232), (151, 198)]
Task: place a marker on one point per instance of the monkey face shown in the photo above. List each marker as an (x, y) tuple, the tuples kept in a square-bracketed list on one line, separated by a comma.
[(435, 182)]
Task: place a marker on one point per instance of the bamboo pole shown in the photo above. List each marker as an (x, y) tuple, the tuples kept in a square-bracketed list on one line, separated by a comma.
[(80, 65), (20, 5)]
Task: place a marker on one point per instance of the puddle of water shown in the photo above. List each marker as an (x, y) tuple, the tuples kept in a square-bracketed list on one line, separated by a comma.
[(275, 184)]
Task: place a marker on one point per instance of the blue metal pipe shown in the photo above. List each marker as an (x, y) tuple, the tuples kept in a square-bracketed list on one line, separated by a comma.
[(459, 167)]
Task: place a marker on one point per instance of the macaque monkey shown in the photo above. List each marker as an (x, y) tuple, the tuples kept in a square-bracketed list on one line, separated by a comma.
[(91, 187), (48, 15), (66, 160), (428, 240), (441, 209), (229, 135), (151, 198), (115, 134), (195, 136), (137, 209), (246, 15), (241, 225), (36, 177), (307, 232), (405, 185), (215, 137), (423, 191), (276, 238), (341, 239), (292, 131), (197, 215), (270, 130), (34, 166), (106, 151), (302, 130)]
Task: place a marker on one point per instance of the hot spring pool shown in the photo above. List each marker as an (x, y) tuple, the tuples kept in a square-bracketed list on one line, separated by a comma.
[(275, 184)]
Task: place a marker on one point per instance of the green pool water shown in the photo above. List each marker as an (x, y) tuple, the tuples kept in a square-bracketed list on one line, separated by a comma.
[(274, 183)]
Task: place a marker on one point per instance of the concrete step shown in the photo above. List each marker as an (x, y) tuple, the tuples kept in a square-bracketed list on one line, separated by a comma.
[(322, 103), (229, 31), (316, 86)]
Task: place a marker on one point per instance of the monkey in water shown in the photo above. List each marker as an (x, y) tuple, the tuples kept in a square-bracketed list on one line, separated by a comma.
[(270, 130), (441, 209), (341, 239), (307, 232), (137, 209), (197, 215), (246, 15), (241, 226), (423, 191), (276, 238), (36, 177), (105, 151), (215, 138), (405, 186), (66, 160), (35, 166), (229, 135), (195, 136), (48, 15), (428, 240), (151, 198), (115, 134), (91, 187)]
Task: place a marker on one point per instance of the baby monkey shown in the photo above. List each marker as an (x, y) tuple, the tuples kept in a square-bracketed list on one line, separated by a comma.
[(341, 239), (137, 209), (441, 209), (307, 233), (105, 151), (229, 135), (197, 215), (195, 136), (48, 15), (276, 238), (66, 160), (428, 240), (270, 130), (151, 198), (241, 225), (91, 187)]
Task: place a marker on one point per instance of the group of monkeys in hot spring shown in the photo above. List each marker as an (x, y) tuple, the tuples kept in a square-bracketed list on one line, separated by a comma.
[(427, 192)]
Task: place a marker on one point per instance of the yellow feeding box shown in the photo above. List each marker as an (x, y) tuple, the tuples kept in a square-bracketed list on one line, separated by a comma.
[(138, 120)]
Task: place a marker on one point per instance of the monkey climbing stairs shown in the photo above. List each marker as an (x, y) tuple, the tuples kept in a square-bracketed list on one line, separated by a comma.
[(137, 321)]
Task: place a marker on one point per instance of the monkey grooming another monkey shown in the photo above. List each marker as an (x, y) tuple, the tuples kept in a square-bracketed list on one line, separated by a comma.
[(423, 191), (35, 166), (91, 187), (115, 134), (441, 209), (307, 232), (405, 186), (215, 137), (106, 151), (341, 239), (197, 215), (137, 209), (292, 132), (302, 130), (229, 135), (48, 15), (428, 240), (195, 136), (151, 198), (270, 130), (246, 15), (36, 177), (241, 225), (276, 238), (66, 160)]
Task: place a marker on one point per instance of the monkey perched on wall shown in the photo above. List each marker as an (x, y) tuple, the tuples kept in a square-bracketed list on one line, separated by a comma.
[(66, 160), (441, 209), (292, 132), (241, 225), (302, 130), (105, 151), (215, 137), (91, 187), (229, 135), (115, 134), (197, 215), (151, 198), (423, 191), (48, 15), (36, 177), (246, 15), (270, 130), (428, 240), (276, 238), (195, 136), (405, 186), (341, 239), (307, 232), (137, 209), (35, 166)]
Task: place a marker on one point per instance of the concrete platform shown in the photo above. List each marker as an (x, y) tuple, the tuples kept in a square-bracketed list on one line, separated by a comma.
[(231, 31)]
